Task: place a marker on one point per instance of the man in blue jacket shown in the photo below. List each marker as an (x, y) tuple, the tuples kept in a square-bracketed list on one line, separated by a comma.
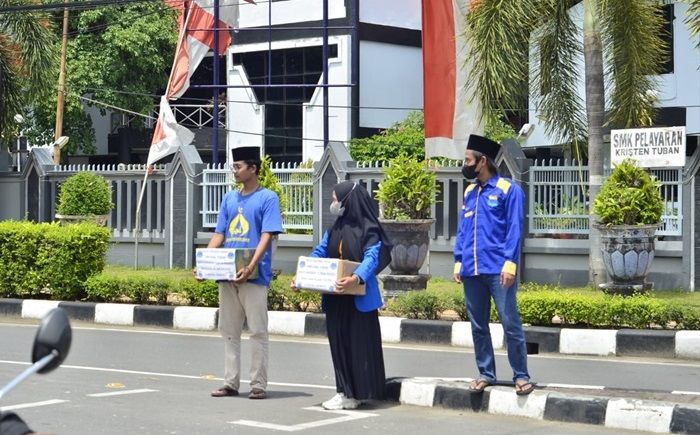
[(487, 252)]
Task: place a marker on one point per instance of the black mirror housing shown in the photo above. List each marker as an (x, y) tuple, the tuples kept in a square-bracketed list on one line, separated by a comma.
[(54, 334)]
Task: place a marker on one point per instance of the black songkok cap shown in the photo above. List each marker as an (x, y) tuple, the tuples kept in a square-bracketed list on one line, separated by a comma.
[(245, 153), (483, 145)]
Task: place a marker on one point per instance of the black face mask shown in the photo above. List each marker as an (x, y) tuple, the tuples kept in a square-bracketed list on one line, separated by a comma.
[(469, 172)]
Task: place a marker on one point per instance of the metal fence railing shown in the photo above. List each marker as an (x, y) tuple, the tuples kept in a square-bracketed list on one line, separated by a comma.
[(558, 198), (297, 186)]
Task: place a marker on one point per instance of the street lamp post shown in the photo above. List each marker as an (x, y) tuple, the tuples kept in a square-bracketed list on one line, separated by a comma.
[(19, 119)]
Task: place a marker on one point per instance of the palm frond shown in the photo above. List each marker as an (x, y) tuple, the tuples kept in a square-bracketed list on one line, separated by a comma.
[(634, 51), (692, 19), (497, 33), (33, 33), (10, 87), (555, 53)]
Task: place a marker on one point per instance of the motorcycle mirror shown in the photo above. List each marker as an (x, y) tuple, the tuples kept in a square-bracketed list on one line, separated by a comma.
[(53, 336)]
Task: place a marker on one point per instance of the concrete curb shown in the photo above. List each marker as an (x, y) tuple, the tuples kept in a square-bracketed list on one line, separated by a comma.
[(624, 342), (612, 412)]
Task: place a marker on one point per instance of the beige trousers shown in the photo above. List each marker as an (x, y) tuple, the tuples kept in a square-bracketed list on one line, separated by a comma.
[(238, 303)]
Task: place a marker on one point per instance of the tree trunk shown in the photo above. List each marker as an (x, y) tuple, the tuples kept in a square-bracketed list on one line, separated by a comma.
[(595, 111)]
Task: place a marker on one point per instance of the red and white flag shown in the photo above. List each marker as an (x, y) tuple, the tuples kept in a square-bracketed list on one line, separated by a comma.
[(449, 115), (196, 37), (168, 135)]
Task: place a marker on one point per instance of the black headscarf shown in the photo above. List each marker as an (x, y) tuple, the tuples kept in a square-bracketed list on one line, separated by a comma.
[(358, 228)]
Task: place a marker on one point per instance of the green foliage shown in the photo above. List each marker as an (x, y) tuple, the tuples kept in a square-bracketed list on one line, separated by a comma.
[(119, 56), (408, 189), (137, 289), (497, 129), (49, 259), (27, 57), (282, 298), (630, 196), (425, 304), (268, 180), (406, 137), (200, 293), (84, 194), (507, 37), (693, 20)]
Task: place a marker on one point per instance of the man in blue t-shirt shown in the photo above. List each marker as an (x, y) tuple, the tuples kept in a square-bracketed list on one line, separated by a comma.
[(250, 218)]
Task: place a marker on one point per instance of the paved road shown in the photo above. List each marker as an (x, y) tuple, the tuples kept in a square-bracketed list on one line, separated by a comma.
[(133, 380)]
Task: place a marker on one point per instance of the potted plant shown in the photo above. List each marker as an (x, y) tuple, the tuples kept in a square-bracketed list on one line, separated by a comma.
[(628, 210), (567, 217), (84, 196), (406, 196)]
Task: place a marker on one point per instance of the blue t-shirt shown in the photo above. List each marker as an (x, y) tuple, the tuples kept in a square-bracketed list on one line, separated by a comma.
[(243, 218)]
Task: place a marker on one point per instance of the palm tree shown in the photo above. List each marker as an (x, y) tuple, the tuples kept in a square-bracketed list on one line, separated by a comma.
[(622, 49), (27, 59)]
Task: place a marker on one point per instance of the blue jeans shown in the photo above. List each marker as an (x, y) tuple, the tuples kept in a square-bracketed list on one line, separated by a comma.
[(478, 291)]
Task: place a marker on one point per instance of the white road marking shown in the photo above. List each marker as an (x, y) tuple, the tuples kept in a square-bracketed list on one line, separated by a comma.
[(122, 393), (582, 387), (32, 405), (174, 375), (691, 393), (346, 416)]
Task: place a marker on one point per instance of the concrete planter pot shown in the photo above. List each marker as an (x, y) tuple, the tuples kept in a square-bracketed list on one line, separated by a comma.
[(99, 219), (411, 239), (628, 251)]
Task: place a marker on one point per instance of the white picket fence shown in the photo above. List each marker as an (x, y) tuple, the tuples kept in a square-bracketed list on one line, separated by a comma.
[(297, 184)]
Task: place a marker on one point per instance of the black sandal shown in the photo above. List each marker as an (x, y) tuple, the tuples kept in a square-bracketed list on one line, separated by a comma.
[(524, 389), (478, 385)]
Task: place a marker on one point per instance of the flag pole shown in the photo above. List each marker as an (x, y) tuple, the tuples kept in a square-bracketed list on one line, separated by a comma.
[(215, 110), (138, 221)]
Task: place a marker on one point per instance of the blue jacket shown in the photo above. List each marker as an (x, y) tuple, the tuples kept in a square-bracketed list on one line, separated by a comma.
[(372, 299), (490, 228)]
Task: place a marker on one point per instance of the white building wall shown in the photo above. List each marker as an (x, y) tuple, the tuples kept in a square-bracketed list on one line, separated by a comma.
[(286, 12), (679, 89), (245, 117), (339, 102), (390, 76), (395, 13)]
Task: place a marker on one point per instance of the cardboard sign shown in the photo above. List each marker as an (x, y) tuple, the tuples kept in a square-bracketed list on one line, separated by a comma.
[(221, 264), (650, 147), (320, 275)]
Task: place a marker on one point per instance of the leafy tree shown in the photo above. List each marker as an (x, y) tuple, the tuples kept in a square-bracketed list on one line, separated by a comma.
[(504, 35), (404, 137), (117, 55), (27, 57), (408, 137)]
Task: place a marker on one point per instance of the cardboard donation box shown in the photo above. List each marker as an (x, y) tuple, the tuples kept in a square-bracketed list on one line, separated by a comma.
[(221, 264), (320, 274)]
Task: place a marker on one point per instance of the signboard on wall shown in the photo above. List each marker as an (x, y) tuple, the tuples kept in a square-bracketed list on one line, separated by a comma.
[(650, 147)]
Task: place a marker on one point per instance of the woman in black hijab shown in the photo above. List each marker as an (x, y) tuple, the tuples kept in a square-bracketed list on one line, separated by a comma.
[(352, 322)]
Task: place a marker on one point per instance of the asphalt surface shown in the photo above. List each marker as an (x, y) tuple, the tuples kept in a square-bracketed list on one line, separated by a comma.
[(135, 380)]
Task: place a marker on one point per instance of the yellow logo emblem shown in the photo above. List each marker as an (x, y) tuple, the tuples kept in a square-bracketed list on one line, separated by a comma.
[(239, 226)]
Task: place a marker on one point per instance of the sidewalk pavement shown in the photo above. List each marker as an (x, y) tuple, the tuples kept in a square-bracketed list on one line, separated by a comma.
[(655, 411)]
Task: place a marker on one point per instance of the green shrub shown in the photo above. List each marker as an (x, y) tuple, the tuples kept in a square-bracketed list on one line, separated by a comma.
[(50, 259), (282, 298), (630, 196), (84, 194), (103, 288), (425, 304), (407, 190), (406, 137), (200, 293)]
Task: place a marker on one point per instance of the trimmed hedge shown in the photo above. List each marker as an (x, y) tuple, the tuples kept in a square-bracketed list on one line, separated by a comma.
[(145, 290), (40, 259), (551, 307)]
